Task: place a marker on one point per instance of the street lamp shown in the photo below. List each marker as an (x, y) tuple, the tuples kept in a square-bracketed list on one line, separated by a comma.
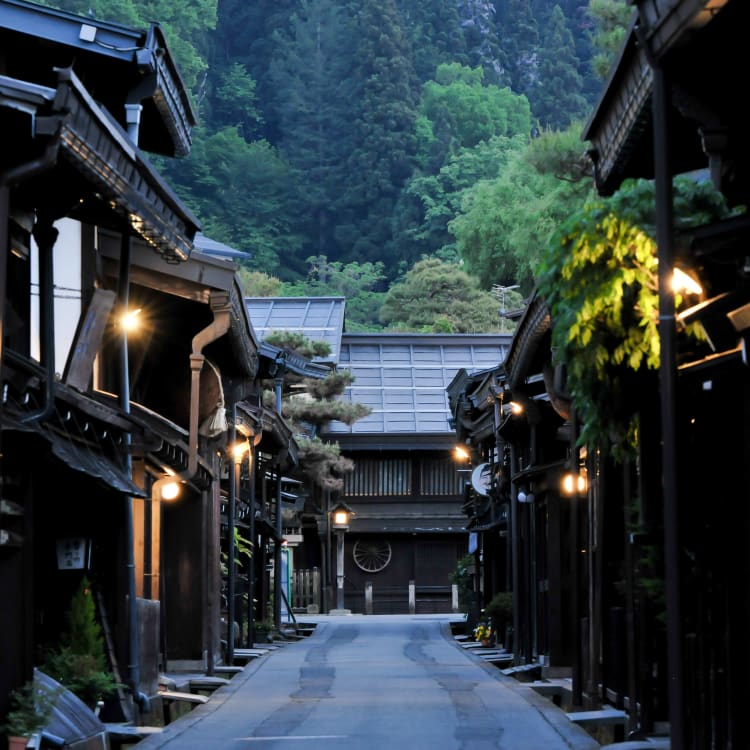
[(341, 514), (237, 449)]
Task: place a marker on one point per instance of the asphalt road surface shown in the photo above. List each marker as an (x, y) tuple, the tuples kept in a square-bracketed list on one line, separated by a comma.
[(373, 683)]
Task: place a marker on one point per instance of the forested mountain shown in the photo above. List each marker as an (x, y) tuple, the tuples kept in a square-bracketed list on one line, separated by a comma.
[(373, 131)]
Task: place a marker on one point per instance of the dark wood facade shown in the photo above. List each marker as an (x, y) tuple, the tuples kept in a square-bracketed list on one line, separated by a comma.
[(636, 584), (406, 491), (92, 419), (687, 115)]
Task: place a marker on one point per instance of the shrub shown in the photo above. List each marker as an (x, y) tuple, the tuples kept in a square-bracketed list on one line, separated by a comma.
[(30, 709)]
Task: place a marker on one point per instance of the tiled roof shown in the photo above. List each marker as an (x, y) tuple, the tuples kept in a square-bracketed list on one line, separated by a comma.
[(403, 378), (317, 318)]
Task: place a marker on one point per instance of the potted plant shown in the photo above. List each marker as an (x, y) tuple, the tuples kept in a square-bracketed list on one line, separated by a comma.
[(483, 634), (500, 611), (30, 710), (79, 662)]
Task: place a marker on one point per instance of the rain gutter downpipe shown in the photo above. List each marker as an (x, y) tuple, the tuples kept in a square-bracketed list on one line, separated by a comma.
[(220, 306)]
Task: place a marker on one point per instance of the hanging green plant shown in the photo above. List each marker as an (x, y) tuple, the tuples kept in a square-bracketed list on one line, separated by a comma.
[(599, 279)]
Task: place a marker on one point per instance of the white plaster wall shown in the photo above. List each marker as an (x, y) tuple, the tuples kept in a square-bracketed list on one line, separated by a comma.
[(67, 281)]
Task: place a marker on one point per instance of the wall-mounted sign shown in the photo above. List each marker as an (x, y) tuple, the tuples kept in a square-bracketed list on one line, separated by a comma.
[(481, 479), (72, 554)]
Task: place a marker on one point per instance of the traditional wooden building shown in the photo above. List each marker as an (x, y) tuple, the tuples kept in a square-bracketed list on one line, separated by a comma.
[(95, 420), (407, 489), (632, 582), (671, 107), (407, 531)]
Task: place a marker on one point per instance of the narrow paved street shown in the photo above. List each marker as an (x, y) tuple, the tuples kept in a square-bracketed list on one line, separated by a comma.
[(370, 683)]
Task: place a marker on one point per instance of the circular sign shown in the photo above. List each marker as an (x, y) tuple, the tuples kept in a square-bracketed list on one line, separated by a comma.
[(481, 479)]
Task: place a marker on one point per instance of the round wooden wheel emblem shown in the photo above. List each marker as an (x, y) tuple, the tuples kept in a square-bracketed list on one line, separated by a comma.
[(371, 556)]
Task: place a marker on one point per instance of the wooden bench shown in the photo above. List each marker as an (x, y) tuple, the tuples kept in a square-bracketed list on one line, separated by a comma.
[(176, 695), (603, 717), (121, 735), (176, 703), (227, 669), (206, 684), (524, 672), (497, 658), (551, 690)]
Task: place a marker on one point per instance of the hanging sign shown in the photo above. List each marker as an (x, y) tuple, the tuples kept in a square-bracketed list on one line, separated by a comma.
[(481, 479)]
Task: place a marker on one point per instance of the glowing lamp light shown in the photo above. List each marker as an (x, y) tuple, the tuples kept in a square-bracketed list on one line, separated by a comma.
[(239, 450), (170, 490), (461, 453), (573, 484), (684, 283), (167, 488), (516, 408), (340, 517), (129, 320)]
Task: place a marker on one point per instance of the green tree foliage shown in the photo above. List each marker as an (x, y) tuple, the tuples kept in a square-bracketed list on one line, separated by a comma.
[(435, 35), (466, 131), (313, 138), (79, 661), (520, 43), (244, 194), (258, 283), (235, 101), (313, 95), (560, 98), (612, 19), (433, 201), (457, 110), (438, 297), (600, 280), (362, 284), (505, 223), (383, 113)]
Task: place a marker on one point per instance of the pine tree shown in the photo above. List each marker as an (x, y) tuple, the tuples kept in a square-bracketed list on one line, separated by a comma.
[(435, 35), (383, 117), (79, 661), (519, 36), (84, 634), (559, 98), (312, 407), (312, 99)]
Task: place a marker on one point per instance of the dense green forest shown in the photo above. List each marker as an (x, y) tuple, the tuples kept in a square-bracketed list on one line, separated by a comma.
[(368, 147)]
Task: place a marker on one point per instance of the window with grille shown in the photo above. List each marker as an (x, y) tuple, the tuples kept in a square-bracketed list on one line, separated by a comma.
[(379, 477), (439, 477)]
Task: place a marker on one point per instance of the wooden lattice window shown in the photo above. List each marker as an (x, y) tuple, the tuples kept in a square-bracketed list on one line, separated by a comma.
[(379, 477)]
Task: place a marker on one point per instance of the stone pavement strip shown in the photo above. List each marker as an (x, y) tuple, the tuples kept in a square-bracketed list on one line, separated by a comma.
[(374, 681)]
